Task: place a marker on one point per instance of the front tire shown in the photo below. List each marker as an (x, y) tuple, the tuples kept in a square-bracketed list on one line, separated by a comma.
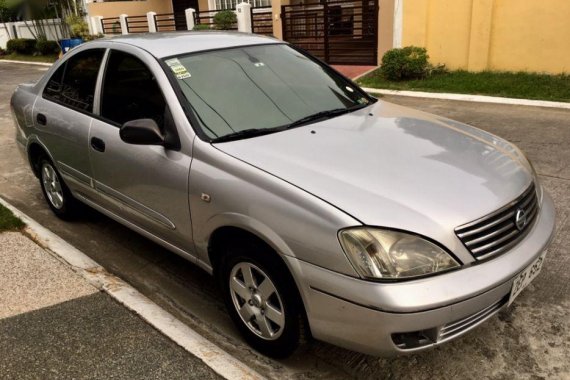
[(56, 193), (262, 300)]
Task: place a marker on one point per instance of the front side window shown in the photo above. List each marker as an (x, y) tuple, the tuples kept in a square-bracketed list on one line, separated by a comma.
[(130, 91), (263, 88), (73, 84)]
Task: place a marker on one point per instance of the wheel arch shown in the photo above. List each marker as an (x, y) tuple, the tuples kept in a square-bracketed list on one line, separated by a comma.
[(226, 234), (35, 150)]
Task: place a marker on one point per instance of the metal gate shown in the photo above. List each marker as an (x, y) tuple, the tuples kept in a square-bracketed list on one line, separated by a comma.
[(338, 31)]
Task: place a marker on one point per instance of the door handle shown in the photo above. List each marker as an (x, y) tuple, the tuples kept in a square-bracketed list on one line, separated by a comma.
[(97, 144), (41, 119)]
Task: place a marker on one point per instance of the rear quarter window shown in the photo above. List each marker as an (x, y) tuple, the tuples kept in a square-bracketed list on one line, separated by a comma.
[(73, 83)]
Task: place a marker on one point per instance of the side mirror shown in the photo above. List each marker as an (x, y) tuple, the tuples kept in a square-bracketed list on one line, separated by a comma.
[(141, 132)]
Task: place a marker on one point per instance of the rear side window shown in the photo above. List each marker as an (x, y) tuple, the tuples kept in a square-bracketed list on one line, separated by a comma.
[(130, 91), (73, 84)]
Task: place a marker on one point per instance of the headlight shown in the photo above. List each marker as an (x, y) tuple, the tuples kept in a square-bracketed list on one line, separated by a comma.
[(378, 253)]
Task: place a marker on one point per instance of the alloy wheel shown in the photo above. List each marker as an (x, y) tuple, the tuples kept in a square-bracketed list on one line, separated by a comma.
[(257, 300), (52, 186)]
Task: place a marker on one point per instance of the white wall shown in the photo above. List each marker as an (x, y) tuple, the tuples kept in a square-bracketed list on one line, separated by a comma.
[(22, 31), (4, 37)]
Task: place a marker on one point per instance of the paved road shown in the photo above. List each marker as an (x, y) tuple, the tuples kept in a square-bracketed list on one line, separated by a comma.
[(530, 340), (55, 325)]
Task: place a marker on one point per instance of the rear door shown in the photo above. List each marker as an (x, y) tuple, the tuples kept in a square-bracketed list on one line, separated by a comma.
[(63, 114), (146, 185)]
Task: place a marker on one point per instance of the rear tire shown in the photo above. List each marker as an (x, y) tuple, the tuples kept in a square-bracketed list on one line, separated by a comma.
[(56, 193), (262, 299)]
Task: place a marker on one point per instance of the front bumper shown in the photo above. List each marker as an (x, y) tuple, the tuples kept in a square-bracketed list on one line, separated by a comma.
[(383, 318)]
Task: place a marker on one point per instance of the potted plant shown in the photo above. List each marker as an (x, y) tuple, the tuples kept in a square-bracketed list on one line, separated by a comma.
[(78, 30)]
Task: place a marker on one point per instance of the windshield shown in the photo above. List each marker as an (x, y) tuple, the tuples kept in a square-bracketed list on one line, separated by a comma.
[(262, 88)]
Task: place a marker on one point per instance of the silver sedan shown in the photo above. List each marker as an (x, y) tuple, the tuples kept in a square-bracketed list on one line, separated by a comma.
[(322, 211)]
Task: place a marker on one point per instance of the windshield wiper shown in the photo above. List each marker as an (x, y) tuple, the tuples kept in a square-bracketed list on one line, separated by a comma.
[(253, 132), (246, 133), (325, 115)]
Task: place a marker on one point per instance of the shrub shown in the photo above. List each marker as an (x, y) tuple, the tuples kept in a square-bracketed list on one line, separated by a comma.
[(77, 26), (410, 62), (91, 37), (201, 27), (224, 20), (2, 52), (47, 47), (25, 46)]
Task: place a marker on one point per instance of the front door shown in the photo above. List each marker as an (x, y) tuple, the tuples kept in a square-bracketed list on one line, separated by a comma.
[(145, 185)]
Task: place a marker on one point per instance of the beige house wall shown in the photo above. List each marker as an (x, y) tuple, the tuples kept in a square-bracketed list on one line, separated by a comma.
[(130, 8), (385, 27)]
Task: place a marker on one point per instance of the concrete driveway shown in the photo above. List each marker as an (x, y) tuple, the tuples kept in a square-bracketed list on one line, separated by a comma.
[(529, 340)]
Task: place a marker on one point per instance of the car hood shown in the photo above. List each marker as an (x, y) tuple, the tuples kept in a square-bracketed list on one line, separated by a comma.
[(391, 166)]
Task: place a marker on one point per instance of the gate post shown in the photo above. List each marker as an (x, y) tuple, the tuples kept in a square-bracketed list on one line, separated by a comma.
[(190, 18), (151, 21), (283, 22), (326, 30), (99, 20), (124, 25), (243, 11), (96, 25)]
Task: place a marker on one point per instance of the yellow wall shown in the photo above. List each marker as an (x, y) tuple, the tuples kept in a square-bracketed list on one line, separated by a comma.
[(529, 35), (130, 8)]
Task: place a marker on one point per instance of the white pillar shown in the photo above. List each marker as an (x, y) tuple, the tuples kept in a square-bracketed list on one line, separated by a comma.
[(150, 19), (94, 25), (243, 12), (98, 24), (123, 21), (398, 21), (190, 18)]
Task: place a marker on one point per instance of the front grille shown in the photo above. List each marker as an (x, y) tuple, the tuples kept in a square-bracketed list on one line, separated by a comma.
[(498, 232)]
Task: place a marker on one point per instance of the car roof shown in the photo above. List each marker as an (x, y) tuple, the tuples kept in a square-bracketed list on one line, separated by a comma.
[(175, 43)]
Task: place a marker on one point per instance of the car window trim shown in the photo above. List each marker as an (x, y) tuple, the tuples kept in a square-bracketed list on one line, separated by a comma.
[(64, 63), (98, 115), (172, 127), (190, 114)]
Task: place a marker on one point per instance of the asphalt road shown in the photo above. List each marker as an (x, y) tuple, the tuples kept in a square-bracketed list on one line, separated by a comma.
[(529, 340)]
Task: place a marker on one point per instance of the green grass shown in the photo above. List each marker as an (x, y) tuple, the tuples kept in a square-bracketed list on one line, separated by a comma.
[(505, 84), (8, 222), (30, 58)]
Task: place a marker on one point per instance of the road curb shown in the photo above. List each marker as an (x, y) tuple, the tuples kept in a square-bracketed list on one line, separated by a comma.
[(27, 62), (214, 357), (470, 98)]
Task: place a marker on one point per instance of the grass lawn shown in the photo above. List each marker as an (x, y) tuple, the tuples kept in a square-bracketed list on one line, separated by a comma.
[(30, 58), (505, 84), (8, 222)]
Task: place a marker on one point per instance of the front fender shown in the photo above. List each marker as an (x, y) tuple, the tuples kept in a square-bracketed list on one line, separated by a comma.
[(227, 192)]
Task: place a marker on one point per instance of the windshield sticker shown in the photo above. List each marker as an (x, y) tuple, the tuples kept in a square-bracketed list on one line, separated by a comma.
[(178, 69), (183, 76)]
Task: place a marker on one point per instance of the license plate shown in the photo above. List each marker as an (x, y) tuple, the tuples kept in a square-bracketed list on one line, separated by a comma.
[(526, 276)]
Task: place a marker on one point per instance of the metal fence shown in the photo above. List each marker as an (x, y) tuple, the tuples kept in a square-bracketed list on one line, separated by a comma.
[(137, 24), (339, 32), (207, 18), (262, 21), (166, 22), (111, 25)]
